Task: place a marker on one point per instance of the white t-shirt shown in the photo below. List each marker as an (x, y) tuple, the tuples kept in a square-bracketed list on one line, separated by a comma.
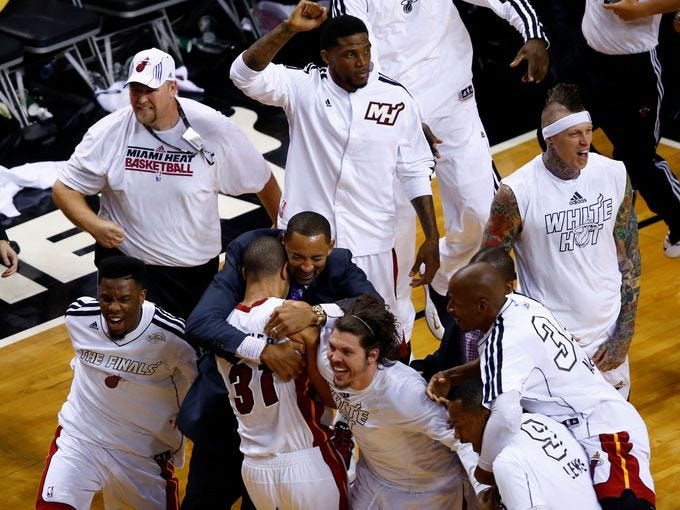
[(346, 150), (403, 436), (529, 351), (126, 392), (273, 416), (165, 199), (607, 33), (544, 466), (566, 253)]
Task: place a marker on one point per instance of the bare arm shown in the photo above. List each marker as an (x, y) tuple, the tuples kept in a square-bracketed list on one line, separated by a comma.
[(629, 10), (8, 257), (306, 16), (441, 383), (505, 222), (428, 252), (72, 203), (270, 196), (310, 337), (613, 352)]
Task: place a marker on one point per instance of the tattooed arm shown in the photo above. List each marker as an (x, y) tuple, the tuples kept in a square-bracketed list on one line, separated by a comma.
[(505, 222), (612, 353)]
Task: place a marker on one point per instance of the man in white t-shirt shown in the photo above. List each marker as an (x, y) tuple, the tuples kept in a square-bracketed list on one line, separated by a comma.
[(568, 215), (289, 462), (159, 165), (541, 467), (406, 459), (529, 361), (131, 371)]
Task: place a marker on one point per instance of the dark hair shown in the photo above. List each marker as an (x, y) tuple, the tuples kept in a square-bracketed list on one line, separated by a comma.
[(498, 258), (469, 393), (566, 95), (264, 256), (308, 224), (340, 26), (369, 318), (122, 266)]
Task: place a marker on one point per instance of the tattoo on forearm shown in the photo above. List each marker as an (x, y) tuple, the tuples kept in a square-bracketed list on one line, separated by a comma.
[(262, 51), (505, 222), (425, 210)]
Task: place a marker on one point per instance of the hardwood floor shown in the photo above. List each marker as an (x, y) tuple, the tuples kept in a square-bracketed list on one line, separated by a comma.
[(35, 375)]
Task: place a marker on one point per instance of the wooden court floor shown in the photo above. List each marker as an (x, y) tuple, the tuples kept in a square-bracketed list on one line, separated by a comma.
[(35, 376)]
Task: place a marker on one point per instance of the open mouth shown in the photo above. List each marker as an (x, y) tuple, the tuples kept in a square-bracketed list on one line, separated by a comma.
[(115, 324), (340, 372)]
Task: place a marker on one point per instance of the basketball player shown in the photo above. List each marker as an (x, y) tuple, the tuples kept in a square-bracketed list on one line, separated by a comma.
[(542, 466), (354, 134), (425, 46), (529, 361), (289, 462), (131, 370), (406, 459), (568, 214)]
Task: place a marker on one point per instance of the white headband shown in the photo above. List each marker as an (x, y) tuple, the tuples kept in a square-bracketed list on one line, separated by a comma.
[(565, 123)]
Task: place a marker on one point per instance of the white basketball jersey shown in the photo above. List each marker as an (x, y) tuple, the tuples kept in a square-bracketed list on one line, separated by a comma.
[(544, 466), (529, 351), (273, 416), (126, 392), (565, 253)]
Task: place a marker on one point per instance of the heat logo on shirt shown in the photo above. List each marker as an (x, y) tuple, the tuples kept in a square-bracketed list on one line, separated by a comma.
[(159, 161), (130, 366), (351, 413), (383, 113), (579, 226)]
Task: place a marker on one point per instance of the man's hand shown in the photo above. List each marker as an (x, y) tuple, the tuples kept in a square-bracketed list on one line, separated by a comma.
[(489, 499), (290, 317), (309, 337), (432, 140), (428, 254), (285, 360), (442, 382), (307, 16), (610, 354), (9, 258), (484, 476), (628, 10), (107, 233), (535, 53)]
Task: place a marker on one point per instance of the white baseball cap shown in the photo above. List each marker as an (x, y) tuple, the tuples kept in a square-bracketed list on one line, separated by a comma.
[(152, 68)]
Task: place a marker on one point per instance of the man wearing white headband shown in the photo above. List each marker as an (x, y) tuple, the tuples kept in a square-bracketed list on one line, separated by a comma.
[(568, 214), (160, 164)]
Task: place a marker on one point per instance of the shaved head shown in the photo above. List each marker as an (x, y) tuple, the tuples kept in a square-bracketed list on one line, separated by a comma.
[(552, 113), (476, 295)]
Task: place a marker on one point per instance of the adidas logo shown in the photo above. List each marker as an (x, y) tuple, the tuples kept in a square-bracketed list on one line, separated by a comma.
[(94, 326), (577, 199), (328, 103), (160, 148)]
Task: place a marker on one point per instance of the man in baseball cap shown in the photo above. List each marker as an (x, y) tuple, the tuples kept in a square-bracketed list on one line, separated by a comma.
[(152, 68)]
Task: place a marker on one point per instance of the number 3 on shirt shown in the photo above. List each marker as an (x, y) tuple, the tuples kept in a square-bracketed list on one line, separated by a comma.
[(565, 359), (240, 376)]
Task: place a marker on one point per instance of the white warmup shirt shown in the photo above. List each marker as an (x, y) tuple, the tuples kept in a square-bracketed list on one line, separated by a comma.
[(403, 436), (273, 416), (527, 350), (426, 47), (606, 33), (126, 392), (566, 253), (346, 150), (544, 466), (165, 199)]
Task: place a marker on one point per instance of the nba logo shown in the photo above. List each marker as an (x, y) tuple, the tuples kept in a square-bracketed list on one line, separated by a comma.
[(50, 491)]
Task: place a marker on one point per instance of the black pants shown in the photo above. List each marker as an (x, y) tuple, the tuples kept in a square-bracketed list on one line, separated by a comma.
[(623, 94), (175, 289)]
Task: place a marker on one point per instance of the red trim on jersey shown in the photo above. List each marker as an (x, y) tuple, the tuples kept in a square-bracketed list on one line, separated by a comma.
[(625, 469), (40, 503), (311, 410), (172, 484), (245, 308), (334, 462)]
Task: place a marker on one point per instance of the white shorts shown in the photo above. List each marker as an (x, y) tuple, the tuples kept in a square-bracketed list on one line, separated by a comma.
[(304, 480), (370, 493), (620, 461), (405, 248), (75, 470)]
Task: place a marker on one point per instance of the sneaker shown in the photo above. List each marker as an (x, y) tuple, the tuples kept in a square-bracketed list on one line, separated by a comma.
[(343, 442), (432, 316), (671, 250)]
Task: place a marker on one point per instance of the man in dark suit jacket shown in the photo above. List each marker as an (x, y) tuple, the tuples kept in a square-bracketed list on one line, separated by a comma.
[(322, 277)]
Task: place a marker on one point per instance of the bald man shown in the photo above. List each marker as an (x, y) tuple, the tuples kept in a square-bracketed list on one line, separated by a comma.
[(568, 215), (529, 361)]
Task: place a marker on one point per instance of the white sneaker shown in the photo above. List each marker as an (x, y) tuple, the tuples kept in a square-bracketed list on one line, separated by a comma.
[(432, 317), (670, 250)]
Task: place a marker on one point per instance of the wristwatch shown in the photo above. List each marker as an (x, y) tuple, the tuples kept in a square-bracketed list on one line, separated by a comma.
[(320, 315)]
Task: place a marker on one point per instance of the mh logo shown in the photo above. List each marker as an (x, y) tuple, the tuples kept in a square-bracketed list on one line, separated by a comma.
[(383, 113)]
